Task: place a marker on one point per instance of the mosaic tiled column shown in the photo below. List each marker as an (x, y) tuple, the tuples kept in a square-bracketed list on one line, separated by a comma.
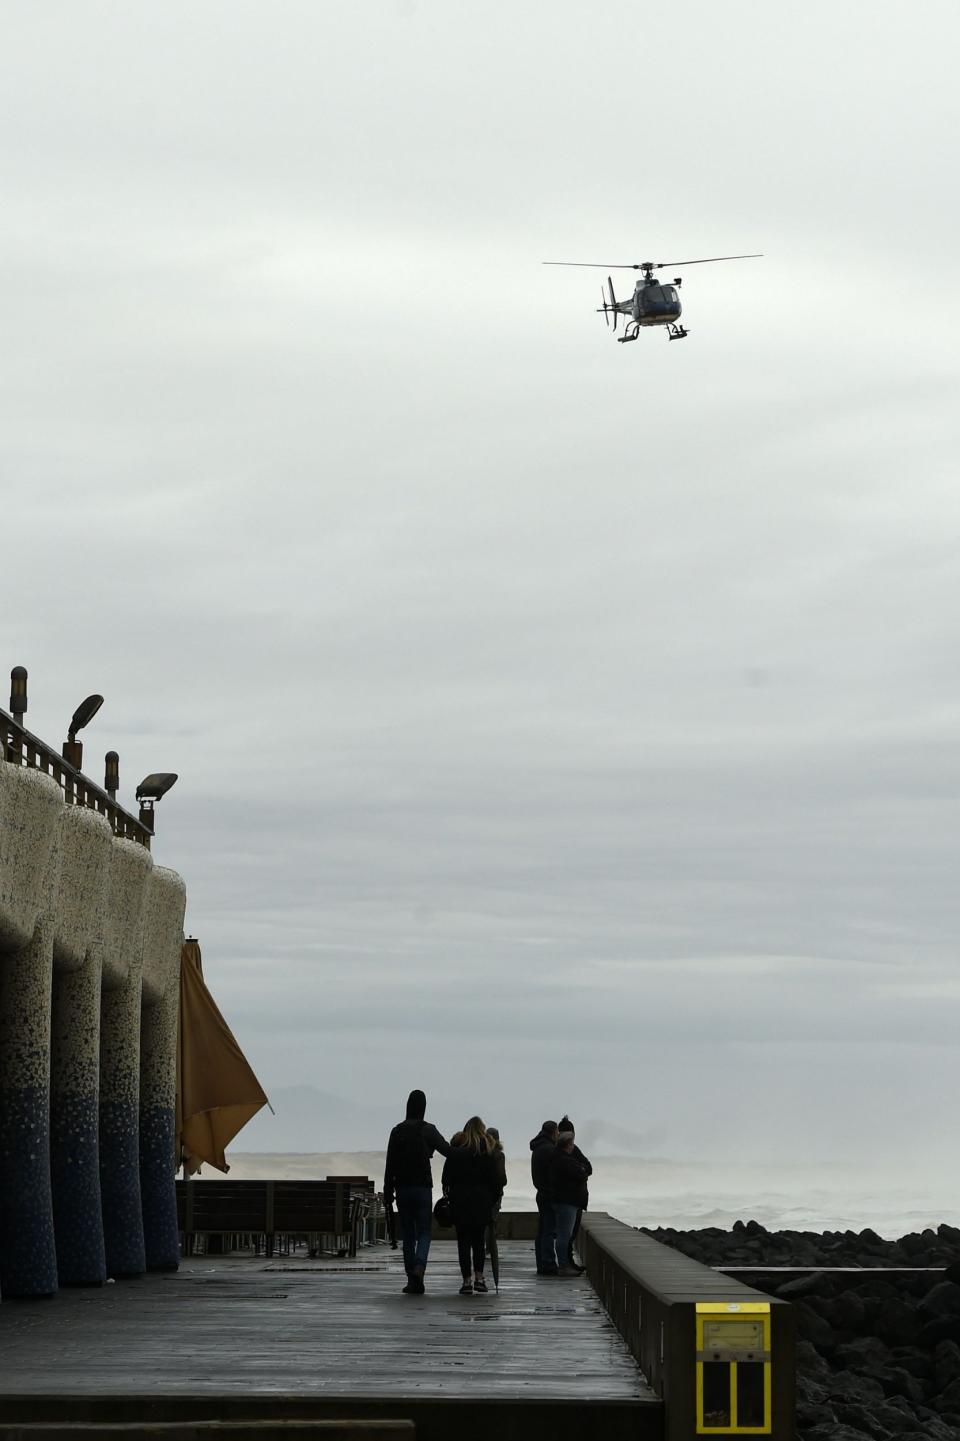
[(30, 808), (162, 943), (120, 1058), (31, 805), (85, 852)]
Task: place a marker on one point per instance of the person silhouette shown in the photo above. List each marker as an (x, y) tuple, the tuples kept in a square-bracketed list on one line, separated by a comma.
[(408, 1178)]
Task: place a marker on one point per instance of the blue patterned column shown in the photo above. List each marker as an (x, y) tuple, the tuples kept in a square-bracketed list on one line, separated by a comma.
[(162, 944), (158, 1082), (120, 1129), (120, 1059), (74, 1127), (28, 1253), (85, 851), (30, 808)]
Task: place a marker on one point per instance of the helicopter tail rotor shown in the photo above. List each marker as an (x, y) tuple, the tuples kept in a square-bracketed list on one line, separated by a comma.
[(609, 305)]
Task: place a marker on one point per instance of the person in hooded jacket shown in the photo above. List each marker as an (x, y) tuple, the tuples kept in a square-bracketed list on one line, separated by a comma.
[(473, 1178), (542, 1148), (408, 1178)]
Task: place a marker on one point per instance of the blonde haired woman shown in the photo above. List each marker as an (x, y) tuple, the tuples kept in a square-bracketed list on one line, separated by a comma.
[(471, 1179)]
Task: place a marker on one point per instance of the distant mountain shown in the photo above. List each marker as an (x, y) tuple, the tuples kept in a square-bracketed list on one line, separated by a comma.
[(310, 1120)]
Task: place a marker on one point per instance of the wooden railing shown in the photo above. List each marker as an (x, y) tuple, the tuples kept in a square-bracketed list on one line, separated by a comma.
[(20, 747)]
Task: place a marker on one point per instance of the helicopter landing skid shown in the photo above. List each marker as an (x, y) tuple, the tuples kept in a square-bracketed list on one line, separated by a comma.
[(677, 332), (633, 330)]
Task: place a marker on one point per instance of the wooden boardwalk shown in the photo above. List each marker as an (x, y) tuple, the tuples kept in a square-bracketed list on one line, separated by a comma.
[(243, 1337)]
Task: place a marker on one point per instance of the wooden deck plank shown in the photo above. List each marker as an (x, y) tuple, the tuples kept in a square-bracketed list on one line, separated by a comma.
[(242, 1327)]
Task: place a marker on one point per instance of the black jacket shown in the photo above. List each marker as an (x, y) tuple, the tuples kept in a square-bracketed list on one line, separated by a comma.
[(582, 1159), (568, 1178), (409, 1149), (541, 1149), (473, 1182)]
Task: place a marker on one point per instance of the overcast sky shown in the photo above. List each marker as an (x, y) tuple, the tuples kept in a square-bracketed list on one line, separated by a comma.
[(560, 724)]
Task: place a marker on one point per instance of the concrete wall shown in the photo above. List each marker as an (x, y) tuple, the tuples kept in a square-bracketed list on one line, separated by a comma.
[(90, 937)]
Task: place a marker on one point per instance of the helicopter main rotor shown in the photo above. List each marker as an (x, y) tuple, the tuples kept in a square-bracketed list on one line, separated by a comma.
[(649, 265)]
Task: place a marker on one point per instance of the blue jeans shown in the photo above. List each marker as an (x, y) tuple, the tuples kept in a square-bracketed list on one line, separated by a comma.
[(566, 1220), (545, 1244), (415, 1209)]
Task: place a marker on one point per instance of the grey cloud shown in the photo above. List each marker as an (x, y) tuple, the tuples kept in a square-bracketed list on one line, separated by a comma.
[(552, 716)]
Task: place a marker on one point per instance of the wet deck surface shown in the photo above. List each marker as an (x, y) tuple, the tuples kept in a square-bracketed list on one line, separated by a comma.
[(245, 1327)]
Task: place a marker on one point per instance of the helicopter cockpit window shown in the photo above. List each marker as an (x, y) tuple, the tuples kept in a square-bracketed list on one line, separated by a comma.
[(659, 299)]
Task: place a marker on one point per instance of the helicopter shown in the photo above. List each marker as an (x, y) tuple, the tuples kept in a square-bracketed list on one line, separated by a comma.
[(652, 303)]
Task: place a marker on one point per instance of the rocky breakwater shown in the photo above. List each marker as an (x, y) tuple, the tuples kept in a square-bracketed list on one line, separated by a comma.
[(879, 1354)]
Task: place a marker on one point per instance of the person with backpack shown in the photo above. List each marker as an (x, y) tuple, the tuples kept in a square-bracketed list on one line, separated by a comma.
[(542, 1148), (474, 1179), (408, 1178)]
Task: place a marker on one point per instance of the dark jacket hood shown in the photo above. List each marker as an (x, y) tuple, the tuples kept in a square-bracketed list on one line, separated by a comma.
[(542, 1148), (416, 1106)]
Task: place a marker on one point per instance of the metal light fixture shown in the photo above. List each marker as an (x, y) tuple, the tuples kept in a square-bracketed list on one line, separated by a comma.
[(83, 715), (18, 693), (151, 789), (111, 774)]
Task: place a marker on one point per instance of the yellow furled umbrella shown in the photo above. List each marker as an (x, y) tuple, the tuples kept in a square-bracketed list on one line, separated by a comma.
[(217, 1092)]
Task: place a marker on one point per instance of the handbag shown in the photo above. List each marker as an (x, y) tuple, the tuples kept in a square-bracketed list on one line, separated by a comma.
[(443, 1212)]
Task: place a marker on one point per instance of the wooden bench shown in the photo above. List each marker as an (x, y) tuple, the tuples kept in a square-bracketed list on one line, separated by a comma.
[(228, 1210), (276, 1213)]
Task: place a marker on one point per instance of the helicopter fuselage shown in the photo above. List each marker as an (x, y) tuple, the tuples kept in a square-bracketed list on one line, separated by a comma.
[(655, 304), (651, 304)]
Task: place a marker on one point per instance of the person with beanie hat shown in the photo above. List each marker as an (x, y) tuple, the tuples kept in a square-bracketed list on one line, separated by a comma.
[(567, 1124), (569, 1169), (408, 1178)]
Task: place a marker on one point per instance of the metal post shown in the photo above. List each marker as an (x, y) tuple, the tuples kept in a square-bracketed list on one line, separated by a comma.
[(18, 693), (72, 752)]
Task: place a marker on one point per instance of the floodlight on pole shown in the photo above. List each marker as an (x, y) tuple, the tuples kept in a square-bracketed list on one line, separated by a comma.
[(82, 716), (151, 789)]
